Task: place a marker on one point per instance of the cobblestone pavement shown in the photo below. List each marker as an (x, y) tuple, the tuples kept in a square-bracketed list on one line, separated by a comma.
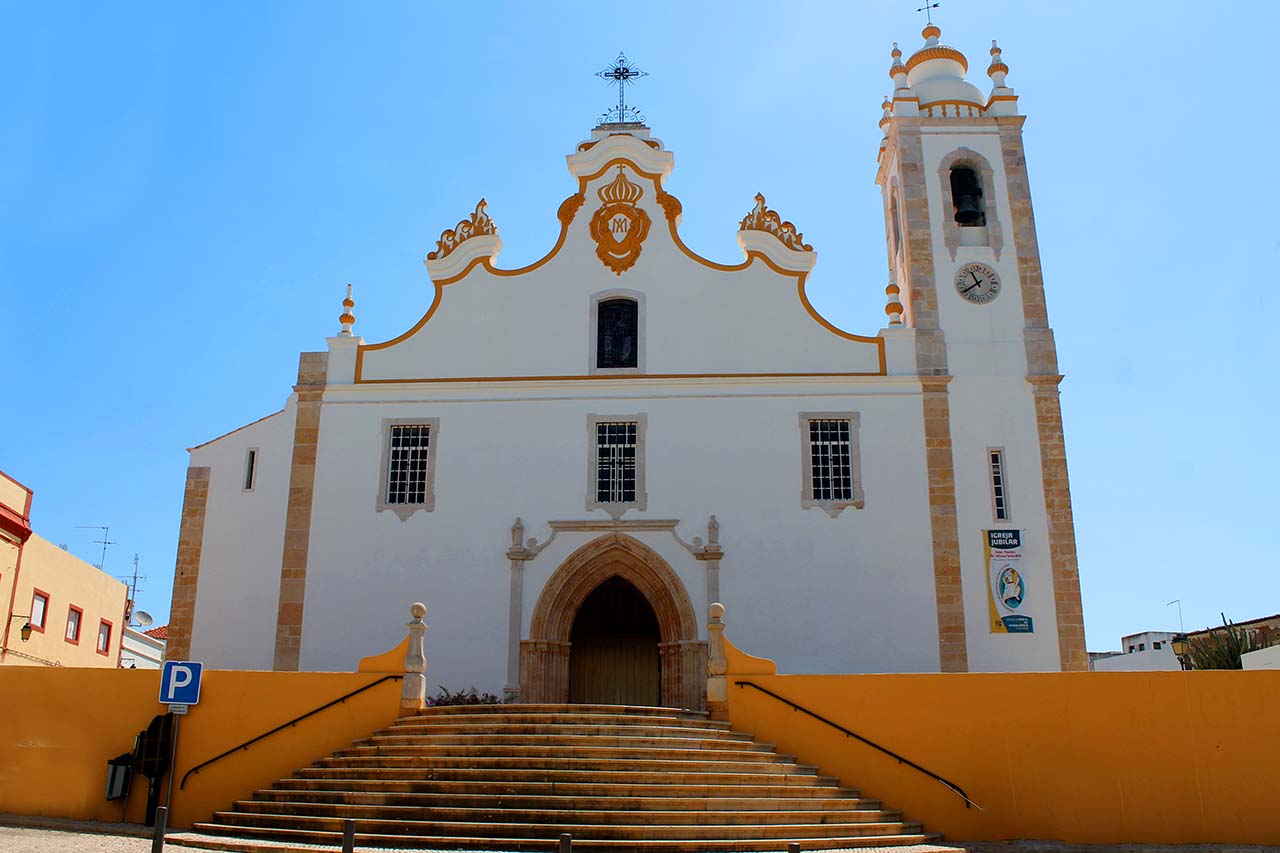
[(21, 839)]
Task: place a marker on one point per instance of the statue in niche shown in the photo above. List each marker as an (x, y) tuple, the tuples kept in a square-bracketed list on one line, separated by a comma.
[(616, 344)]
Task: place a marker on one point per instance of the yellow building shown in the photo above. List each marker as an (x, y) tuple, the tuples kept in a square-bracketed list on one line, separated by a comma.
[(60, 611)]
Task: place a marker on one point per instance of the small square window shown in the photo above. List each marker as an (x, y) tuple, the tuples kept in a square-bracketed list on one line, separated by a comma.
[(104, 637), (74, 617)]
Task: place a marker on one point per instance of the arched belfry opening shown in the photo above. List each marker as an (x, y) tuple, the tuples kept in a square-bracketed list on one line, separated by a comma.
[(613, 648), (603, 615)]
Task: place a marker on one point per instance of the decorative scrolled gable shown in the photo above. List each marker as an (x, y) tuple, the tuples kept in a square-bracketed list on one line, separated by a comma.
[(762, 230), (474, 237)]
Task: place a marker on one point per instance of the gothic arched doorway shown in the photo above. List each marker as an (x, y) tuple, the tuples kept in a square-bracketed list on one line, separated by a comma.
[(546, 658), (613, 648)]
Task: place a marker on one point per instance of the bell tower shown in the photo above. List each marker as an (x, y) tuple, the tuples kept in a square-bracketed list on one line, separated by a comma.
[(964, 261)]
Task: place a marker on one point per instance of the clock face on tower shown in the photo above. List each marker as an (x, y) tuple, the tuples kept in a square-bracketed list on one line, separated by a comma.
[(978, 283)]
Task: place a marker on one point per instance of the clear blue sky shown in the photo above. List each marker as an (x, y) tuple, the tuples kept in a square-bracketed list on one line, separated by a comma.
[(187, 188)]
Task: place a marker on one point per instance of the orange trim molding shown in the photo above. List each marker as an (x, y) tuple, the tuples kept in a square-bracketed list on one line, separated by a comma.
[(567, 212)]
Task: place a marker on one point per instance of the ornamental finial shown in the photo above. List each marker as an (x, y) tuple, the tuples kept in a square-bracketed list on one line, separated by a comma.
[(478, 225), (997, 69), (347, 319), (761, 218)]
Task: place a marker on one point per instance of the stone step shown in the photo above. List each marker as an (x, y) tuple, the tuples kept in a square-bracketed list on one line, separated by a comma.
[(716, 752), (286, 841), (442, 829), (513, 777), (503, 788), (604, 726), (577, 812), (686, 799), (622, 739), (766, 763), (560, 708), (698, 775)]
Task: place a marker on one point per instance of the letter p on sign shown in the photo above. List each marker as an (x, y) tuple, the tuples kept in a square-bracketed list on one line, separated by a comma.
[(180, 682)]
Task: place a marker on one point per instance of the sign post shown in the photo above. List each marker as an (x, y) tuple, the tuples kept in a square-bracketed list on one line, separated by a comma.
[(179, 689)]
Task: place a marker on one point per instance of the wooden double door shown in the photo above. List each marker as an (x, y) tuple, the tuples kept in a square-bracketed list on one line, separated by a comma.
[(613, 654)]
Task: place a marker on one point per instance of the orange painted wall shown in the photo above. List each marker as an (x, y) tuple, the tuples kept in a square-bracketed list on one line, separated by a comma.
[(1090, 757), (59, 727)]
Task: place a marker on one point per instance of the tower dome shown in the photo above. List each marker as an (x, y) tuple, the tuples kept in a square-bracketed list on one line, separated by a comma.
[(936, 72)]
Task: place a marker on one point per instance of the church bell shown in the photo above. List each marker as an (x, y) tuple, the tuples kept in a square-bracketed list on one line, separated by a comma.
[(966, 192)]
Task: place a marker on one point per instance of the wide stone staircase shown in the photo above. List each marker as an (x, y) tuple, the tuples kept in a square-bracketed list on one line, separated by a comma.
[(514, 777)]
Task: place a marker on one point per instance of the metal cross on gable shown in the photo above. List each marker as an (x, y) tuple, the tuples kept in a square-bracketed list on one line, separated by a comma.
[(620, 73), (928, 8)]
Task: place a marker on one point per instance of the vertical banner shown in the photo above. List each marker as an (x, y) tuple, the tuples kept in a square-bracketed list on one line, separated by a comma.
[(1007, 585)]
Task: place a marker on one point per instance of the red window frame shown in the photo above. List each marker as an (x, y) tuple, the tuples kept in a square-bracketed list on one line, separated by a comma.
[(48, 600), (98, 641), (71, 608)]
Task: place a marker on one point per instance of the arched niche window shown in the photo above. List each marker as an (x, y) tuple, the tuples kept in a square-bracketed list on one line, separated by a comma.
[(894, 226), (617, 334), (966, 198)]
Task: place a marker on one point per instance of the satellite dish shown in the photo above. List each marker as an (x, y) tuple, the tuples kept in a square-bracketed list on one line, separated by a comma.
[(143, 618)]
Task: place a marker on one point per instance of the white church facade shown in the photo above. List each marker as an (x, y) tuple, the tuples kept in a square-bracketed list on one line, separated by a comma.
[(570, 461)]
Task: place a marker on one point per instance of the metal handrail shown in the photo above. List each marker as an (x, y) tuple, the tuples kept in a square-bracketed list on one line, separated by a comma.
[(956, 789), (284, 726)]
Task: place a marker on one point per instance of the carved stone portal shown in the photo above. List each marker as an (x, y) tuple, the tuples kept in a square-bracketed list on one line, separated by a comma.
[(544, 657)]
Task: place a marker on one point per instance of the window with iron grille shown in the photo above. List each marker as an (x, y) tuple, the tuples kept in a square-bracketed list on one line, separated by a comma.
[(616, 443), (829, 444), (615, 463), (999, 486), (831, 460), (409, 454)]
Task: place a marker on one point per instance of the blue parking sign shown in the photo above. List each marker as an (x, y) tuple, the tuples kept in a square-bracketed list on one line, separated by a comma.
[(180, 682)]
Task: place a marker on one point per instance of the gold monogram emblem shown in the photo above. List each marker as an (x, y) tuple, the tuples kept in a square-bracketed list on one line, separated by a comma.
[(619, 227)]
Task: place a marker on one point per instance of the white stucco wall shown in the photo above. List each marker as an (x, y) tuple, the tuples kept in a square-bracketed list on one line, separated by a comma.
[(820, 594), (854, 593), (238, 587)]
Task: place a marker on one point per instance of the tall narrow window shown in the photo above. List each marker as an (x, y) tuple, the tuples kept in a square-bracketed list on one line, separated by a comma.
[(830, 460), (617, 333), (894, 226), (616, 462), (74, 616), (832, 480), (410, 449), (104, 637), (250, 468), (39, 609), (966, 197), (999, 485)]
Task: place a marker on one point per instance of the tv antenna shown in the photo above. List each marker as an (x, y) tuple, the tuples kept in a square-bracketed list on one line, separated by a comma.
[(104, 541), (132, 582), (1178, 601)]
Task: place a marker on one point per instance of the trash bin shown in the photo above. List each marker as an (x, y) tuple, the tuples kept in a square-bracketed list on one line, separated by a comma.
[(119, 770)]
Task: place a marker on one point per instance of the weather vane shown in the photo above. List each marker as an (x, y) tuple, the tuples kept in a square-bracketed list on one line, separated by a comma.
[(621, 72), (928, 10)]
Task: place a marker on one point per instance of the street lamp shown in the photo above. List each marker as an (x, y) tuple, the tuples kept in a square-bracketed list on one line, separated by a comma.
[(26, 629), (1181, 649)]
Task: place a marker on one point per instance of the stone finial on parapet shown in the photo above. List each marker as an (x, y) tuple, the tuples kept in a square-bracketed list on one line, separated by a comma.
[(717, 665), (413, 698)]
